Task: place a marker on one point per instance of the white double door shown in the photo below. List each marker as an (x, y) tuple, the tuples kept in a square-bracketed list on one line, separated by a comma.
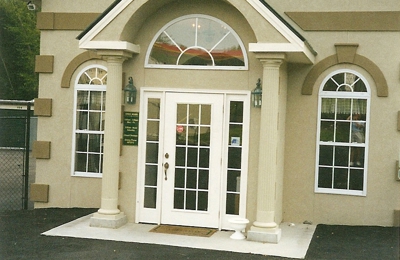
[(191, 159)]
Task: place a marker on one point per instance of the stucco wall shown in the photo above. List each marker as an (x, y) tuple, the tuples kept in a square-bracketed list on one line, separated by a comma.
[(64, 191), (75, 6), (299, 119), (383, 192)]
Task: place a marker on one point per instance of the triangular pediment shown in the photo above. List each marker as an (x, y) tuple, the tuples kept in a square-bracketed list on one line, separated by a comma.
[(102, 35)]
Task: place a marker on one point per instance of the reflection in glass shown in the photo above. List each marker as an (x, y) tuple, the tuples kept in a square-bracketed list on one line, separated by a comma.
[(193, 135), (192, 157), (150, 197), (205, 136), (94, 121), (180, 156), (196, 56), (342, 132), (179, 199), (232, 203), (179, 178), (236, 112), (204, 157), (151, 175), (327, 131), (203, 179), (197, 41), (326, 155), (90, 111), (343, 116), (340, 178), (181, 132), (181, 113), (191, 180), (205, 115), (153, 129), (153, 108), (233, 183), (190, 200), (80, 162), (357, 157), (95, 143), (341, 156), (328, 108), (234, 157), (325, 177), (356, 179), (93, 76), (194, 111), (203, 201), (152, 153)]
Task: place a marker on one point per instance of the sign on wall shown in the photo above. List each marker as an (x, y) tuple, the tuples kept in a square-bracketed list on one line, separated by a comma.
[(131, 128)]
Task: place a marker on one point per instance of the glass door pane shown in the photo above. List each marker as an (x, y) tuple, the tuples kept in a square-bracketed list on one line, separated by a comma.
[(192, 160)]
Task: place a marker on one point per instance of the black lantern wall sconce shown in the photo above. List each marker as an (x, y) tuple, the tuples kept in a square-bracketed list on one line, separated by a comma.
[(256, 95), (130, 93)]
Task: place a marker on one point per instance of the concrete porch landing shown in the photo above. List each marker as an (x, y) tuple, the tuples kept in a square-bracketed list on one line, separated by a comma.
[(293, 244)]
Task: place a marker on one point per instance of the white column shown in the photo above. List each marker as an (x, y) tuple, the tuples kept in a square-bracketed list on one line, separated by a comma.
[(109, 215), (265, 228)]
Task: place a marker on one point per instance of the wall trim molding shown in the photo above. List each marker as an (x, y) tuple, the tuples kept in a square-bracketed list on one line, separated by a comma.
[(64, 21), (346, 54), (347, 21), (74, 64)]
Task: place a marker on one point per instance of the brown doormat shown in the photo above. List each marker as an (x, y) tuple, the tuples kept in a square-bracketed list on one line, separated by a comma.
[(185, 231)]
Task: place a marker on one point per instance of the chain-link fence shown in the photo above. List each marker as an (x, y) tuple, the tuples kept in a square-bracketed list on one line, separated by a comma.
[(17, 131)]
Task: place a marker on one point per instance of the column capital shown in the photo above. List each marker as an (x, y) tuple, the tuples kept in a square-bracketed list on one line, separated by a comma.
[(271, 59), (114, 55)]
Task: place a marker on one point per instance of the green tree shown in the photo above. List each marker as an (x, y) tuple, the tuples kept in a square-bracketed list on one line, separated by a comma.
[(19, 44)]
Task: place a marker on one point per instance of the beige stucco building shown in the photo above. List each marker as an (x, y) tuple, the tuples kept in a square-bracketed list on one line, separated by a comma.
[(197, 148)]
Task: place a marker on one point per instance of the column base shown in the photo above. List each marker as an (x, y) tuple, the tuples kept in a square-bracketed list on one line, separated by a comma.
[(265, 235), (108, 221)]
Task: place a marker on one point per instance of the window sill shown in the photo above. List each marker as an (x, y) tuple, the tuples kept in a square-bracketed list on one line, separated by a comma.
[(341, 192), (87, 175)]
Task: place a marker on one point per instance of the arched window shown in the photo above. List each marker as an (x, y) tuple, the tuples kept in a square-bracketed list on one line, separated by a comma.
[(197, 42), (90, 100), (342, 150)]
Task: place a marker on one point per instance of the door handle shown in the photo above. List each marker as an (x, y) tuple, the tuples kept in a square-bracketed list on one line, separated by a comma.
[(166, 166)]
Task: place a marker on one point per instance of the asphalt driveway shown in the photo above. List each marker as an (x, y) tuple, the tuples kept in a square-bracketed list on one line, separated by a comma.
[(20, 239)]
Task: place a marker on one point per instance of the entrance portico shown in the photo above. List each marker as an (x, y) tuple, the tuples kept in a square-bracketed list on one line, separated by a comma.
[(267, 169)]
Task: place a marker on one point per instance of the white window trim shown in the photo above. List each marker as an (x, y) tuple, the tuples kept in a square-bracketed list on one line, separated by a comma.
[(84, 87), (195, 67), (331, 94)]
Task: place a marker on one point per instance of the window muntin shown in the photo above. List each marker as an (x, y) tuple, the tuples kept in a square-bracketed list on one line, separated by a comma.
[(197, 41), (234, 162), (152, 147), (343, 134), (90, 98)]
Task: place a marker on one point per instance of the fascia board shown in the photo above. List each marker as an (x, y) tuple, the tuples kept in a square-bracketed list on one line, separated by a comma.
[(275, 22), (282, 47), (111, 45), (103, 23)]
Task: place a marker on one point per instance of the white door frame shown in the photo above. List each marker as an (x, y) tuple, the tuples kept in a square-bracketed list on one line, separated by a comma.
[(153, 215)]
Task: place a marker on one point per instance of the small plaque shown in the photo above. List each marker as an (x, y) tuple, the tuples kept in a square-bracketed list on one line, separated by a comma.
[(235, 141), (131, 128)]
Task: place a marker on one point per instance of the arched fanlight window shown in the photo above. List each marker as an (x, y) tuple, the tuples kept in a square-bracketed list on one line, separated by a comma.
[(197, 42), (89, 108)]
